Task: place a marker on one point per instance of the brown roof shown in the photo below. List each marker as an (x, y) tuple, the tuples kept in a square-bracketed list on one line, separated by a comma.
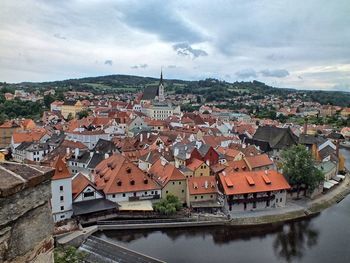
[(194, 164), (258, 160), (61, 169), (119, 175), (165, 172), (202, 185), (79, 183), (253, 182)]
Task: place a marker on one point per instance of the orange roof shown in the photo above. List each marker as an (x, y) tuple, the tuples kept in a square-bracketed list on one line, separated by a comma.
[(236, 166), (79, 183), (228, 151), (202, 185), (61, 170), (258, 161), (164, 173), (119, 175), (9, 124), (253, 182), (28, 136), (194, 164)]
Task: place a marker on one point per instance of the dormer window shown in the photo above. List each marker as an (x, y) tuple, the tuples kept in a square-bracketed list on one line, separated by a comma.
[(119, 183), (132, 182), (145, 180), (128, 170)]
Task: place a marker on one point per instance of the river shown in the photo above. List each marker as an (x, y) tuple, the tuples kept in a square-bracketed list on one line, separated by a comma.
[(323, 238)]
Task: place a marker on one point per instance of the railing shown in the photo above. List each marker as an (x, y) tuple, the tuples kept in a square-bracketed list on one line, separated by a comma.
[(147, 197), (147, 221)]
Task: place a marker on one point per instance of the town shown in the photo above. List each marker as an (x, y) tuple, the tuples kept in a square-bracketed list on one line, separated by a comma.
[(141, 156)]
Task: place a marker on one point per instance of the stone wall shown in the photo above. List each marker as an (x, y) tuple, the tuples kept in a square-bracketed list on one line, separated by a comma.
[(26, 224)]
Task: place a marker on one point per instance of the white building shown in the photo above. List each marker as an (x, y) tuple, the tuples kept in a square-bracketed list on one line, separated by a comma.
[(61, 188)]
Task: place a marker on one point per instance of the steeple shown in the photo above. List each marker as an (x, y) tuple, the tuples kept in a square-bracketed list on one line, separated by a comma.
[(161, 96)]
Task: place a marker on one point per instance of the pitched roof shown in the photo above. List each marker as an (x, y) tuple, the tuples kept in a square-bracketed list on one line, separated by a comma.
[(258, 161), (61, 169), (79, 183), (202, 185), (253, 182), (150, 93), (119, 175), (194, 164), (276, 137), (164, 172)]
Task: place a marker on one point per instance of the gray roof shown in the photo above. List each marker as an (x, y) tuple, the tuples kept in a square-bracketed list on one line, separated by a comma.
[(150, 93), (92, 206), (307, 139), (277, 138), (95, 160), (104, 146)]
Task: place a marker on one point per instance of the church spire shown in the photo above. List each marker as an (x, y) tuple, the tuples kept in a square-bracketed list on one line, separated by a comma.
[(161, 95)]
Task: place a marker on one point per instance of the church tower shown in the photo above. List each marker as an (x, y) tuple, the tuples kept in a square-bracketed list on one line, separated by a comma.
[(161, 95)]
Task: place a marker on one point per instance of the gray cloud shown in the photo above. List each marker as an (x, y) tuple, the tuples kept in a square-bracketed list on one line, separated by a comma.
[(277, 73), (143, 66), (59, 36), (246, 74), (159, 17), (184, 49), (109, 62)]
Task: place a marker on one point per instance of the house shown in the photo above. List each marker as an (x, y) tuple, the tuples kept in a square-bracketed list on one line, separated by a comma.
[(88, 137), (121, 180), (61, 188), (170, 178), (203, 194), (30, 151), (259, 162), (273, 139), (83, 189), (71, 108), (253, 190), (345, 113), (198, 168)]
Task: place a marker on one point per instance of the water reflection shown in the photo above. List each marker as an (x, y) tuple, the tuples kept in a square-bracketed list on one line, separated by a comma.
[(289, 240), (294, 239)]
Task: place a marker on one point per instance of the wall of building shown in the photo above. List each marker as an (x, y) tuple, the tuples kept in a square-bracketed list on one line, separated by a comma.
[(144, 195), (56, 202), (177, 188), (203, 197)]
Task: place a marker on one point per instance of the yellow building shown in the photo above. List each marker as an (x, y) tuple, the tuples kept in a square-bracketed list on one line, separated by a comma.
[(198, 168), (345, 112), (173, 182), (71, 108)]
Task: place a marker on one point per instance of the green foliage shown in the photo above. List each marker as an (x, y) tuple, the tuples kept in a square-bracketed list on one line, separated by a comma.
[(70, 117), (299, 168), (83, 114), (21, 109), (68, 255), (168, 206), (48, 99)]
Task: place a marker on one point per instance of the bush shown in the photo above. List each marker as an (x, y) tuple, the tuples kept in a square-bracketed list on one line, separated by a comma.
[(168, 206)]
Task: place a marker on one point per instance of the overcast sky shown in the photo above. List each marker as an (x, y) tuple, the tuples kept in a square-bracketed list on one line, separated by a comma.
[(297, 44)]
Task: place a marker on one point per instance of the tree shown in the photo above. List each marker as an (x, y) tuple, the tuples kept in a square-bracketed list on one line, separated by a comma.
[(48, 99), (68, 255), (70, 117), (299, 168), (82, 114), (168, 206)]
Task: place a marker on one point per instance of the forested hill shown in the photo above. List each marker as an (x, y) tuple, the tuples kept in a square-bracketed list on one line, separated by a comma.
[(211, 89)]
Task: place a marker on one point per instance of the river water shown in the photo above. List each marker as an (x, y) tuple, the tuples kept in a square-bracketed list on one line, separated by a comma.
[(323, 238)]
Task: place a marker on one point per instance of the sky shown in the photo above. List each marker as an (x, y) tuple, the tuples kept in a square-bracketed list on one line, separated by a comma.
[(289, 44)]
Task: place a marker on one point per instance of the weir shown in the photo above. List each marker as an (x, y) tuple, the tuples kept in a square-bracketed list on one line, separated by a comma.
[(102, 251)]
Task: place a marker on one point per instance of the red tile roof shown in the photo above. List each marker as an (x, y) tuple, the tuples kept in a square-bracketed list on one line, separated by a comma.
[(253, 182), (258, 161), (165, 172), (119, 175), (194, 164), (79, 183), (202, 185), (61, 169)]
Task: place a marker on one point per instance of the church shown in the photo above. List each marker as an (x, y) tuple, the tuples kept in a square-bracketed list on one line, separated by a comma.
[(154, 104)]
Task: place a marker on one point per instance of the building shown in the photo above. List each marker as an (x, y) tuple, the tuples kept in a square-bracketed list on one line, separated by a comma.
[(203, 194), (253, 190), (61, 188), (71, 108), (161, 110), (172, 181), (121, 180), (198, 168)]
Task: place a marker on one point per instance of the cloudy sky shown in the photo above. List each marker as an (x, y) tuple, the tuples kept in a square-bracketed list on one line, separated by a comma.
[(297, 43)]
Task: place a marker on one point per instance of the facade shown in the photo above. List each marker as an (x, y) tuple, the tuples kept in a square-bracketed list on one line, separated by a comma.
[(88, 138), (6, 131), (61, 188), (71, 108), (161, 111), (257, 190)]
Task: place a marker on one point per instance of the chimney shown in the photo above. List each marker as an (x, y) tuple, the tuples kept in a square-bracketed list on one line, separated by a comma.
[(148, 134), (106, 155), (206, 184), (76, 153), (141, 137), (67, 151), (176, 151), (91, 154)]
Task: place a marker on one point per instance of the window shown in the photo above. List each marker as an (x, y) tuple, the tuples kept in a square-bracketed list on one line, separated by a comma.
[(183, 191), (179, 182), (61, 198), (195, 197), (201, 196), (254, 204), (211, 196), (61, 188), (123, 194), (281, 199), (173, 182), (281, 191), (62, 208), (62, 216), (145, 192), (166, 191), (113, 195), (135, 194), (89, 194), (201, 174)]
